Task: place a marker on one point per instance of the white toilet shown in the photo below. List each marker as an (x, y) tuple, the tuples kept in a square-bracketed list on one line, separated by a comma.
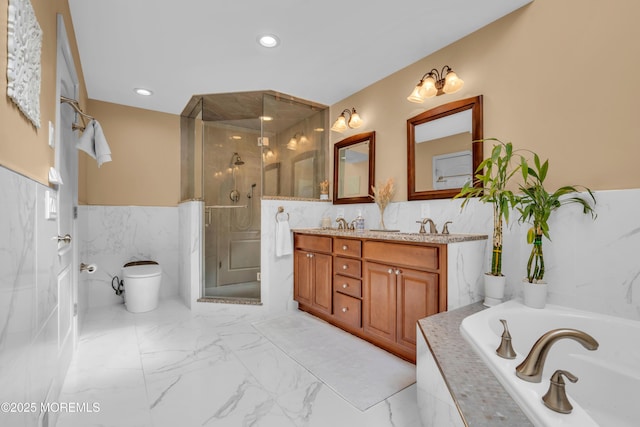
[(141, 285)]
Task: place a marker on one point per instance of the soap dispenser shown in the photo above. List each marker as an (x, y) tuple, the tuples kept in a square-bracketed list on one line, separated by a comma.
[(359, 222)]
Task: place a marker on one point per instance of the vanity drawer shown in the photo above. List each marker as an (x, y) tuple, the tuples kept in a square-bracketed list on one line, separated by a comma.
[(347, 309), (312, 243), (399, 254), (347, 285), (347, 266), (347, 247)]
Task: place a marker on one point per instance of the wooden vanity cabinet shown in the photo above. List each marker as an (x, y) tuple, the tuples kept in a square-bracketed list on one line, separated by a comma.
[(312, 278), (375, 289)]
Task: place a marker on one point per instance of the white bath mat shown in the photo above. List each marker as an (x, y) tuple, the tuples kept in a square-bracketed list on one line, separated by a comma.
[(360, 372)]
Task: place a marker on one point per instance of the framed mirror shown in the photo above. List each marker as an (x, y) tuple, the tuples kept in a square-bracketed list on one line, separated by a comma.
[(444, 148), (304, 173), (354, 169)]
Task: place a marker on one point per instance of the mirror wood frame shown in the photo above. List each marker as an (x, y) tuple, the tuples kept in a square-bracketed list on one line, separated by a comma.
[(353, 140), (475, 105)]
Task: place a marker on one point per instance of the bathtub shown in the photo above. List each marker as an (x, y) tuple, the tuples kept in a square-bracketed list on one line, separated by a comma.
[(608, 386)]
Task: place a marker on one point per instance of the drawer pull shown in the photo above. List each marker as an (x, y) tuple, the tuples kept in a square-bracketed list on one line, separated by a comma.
[(345, 266), (345, 309), (345, 286), (344, 247)]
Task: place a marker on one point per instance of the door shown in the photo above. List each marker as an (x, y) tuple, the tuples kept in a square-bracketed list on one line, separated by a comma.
[(302, 277), (322, 283), (417, 298), (379, 301), (66, 163)]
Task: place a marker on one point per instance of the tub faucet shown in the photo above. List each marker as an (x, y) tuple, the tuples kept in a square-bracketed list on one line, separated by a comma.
[(531, 368)]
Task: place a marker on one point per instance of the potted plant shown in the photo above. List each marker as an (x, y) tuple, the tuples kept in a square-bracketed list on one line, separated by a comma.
[(536, 206), (493, 175)]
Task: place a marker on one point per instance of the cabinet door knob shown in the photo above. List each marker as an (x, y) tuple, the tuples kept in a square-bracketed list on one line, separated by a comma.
[(345, 309), (390, 271), (345, 266), (344, 247), (398, 272), (345, 286), (310, 255)]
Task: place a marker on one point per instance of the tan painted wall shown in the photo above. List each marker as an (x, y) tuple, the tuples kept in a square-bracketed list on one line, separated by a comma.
[(558, 77), (145, 152), (23, 148)]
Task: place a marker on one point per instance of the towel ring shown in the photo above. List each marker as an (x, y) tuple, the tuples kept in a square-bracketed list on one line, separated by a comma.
[(281, 210)]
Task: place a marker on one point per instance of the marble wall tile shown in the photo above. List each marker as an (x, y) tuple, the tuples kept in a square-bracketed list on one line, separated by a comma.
[(116, 235), (190, 266), (31, 358)]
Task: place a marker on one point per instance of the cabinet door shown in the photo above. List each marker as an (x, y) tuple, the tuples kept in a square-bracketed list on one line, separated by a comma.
[(379, 301), (302, 277), (322, 282), (417, 298)]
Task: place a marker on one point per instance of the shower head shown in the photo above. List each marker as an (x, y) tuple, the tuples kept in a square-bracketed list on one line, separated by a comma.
[(236, 160)]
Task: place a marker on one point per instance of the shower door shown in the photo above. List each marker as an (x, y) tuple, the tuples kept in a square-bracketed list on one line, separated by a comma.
[(232, 171)]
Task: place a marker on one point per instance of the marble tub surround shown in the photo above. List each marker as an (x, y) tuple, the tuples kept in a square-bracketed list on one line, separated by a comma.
[(455, 387), (174, 366), (116, 235)]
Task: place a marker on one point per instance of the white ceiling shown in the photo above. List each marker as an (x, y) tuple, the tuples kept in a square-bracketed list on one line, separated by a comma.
[(329, 49)]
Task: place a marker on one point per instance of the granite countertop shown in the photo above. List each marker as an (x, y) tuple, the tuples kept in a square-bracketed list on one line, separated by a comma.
[(481, 399), (396, 236)]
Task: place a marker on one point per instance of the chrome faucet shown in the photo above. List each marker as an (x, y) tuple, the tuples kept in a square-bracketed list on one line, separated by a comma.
[(342, 224), (432, 226), (531, 368)]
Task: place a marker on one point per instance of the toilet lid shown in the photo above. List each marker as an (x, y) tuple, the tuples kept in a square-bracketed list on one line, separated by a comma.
[(148, 270)]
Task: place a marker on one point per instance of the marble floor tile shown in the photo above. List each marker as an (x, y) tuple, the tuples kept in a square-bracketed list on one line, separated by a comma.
[(176, 367)]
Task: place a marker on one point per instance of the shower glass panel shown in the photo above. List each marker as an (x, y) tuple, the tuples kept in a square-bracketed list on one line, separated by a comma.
[(237, 148), (232, 193)]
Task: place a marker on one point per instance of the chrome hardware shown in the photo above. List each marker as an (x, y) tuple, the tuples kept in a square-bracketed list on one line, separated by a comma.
[(531, 368), (398, 272), (445, 228), (505, 350), (556, 397), (86, 267), (345, 309), (390, 271), (345, 286), (432, 226), (344, 247), (66, 238), (345, 266)]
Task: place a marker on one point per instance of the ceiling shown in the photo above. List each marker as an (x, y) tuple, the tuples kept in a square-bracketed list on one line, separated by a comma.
[(328, 51)]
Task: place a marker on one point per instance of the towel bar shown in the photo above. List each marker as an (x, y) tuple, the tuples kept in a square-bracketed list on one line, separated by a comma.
[(74, 104)]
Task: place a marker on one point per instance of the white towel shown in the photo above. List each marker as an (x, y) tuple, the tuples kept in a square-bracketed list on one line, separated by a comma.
[(283, 239), (93, 142)]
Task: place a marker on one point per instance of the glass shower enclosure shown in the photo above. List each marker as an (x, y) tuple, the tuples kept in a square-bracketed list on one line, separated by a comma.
[(237, 148)]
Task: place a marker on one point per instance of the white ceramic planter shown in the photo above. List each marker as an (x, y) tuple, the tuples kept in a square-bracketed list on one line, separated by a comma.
[(493, 289), (534, 294)]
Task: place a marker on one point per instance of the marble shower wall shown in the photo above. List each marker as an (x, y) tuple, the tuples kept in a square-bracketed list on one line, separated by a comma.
[(115, 235), (33, 358)]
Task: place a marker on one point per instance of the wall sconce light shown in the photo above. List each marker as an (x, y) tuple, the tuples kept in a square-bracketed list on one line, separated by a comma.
[(297, 138), (341, 123), (436, 83)]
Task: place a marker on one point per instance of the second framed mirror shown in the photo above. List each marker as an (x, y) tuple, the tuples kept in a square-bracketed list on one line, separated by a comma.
[(444, 148), (354, 169)]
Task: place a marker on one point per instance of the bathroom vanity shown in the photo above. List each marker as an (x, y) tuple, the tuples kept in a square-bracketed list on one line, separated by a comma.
[(377, 285)]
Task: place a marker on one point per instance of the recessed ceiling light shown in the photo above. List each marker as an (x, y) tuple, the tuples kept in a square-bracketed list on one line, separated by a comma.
[(236, 137), (266, 118), (268, 40), (143, 91), (319, 130)]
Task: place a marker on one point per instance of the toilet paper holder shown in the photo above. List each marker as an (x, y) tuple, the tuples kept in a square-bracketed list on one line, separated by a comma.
[(89, 268)]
